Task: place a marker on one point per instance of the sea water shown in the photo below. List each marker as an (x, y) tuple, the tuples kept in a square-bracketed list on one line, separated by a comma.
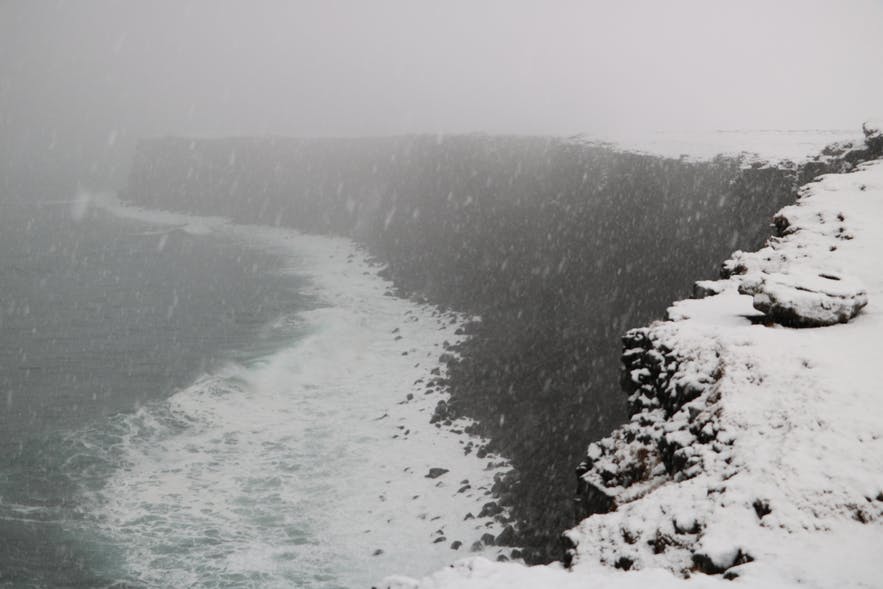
[(191, 403)]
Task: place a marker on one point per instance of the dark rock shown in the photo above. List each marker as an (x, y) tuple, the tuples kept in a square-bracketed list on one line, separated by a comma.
[(781, 225), (487, 539), (506, 537), (490, 509), (590, 500), (661, 542), (456, 544), (761, 508), (442, 412), (447, 358), (568, 548), (435, 472), (703, 564), (873, 138), (695, 528)]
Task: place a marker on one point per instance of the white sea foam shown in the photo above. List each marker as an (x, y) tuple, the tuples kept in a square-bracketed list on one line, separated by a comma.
[(296, 469)]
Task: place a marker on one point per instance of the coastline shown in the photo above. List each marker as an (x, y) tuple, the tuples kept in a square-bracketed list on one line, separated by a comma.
[(409, 493), (557, 245), (466, 222)]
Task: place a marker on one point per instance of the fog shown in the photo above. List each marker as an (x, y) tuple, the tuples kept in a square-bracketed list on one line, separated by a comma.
[(306, 293), (81, 81)]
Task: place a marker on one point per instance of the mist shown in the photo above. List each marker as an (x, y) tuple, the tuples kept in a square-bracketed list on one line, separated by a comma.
[(80, 82)]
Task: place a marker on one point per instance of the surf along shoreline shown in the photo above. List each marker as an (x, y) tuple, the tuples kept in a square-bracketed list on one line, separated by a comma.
[(558, 246), (405, 493)]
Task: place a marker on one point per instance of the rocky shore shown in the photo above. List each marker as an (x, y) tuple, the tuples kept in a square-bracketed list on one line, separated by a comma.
[(557, 245)]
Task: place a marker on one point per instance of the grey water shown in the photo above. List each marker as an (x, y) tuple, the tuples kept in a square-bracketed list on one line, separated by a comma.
[(100, 316)]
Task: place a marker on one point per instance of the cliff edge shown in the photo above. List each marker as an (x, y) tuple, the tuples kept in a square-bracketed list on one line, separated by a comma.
[(754, 452)]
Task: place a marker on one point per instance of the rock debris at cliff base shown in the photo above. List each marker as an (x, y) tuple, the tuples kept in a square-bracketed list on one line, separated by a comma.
[(754, 455)]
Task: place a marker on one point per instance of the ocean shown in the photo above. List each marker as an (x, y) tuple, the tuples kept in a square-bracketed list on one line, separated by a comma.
[(185, 402)]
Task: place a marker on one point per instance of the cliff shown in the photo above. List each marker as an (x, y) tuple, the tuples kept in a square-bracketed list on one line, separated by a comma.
[(556, 244), (754, 448)]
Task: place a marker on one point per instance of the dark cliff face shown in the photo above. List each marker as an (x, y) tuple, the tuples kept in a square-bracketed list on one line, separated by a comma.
[(558, 246)]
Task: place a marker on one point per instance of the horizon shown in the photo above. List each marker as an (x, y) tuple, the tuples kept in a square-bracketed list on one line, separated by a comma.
[(81, 82)]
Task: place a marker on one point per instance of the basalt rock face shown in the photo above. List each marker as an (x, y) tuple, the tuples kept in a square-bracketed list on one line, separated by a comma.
[(557, 246)]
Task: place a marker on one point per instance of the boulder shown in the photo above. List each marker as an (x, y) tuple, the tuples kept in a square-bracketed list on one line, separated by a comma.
[(506, 537), (806, 299), (490, 509)]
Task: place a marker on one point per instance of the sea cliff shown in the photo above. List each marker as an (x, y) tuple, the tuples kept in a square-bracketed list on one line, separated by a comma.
[(558, 245), (754, 444)]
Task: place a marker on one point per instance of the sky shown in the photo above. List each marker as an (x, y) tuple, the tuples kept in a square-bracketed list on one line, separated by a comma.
[(86, 78)]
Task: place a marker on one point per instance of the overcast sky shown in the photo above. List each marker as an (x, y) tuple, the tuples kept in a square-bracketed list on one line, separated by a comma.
[(95, 74)]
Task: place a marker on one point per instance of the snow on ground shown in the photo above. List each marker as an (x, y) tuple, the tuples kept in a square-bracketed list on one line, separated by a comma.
[(756, 449), (755, 145), (313, 464)]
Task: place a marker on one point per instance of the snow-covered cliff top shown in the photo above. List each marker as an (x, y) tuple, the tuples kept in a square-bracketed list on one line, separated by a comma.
[(755, 450), (767, 145)]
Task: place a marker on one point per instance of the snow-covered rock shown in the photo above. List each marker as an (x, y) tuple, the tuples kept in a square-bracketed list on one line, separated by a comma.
[(755, 450), (805, 299)]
